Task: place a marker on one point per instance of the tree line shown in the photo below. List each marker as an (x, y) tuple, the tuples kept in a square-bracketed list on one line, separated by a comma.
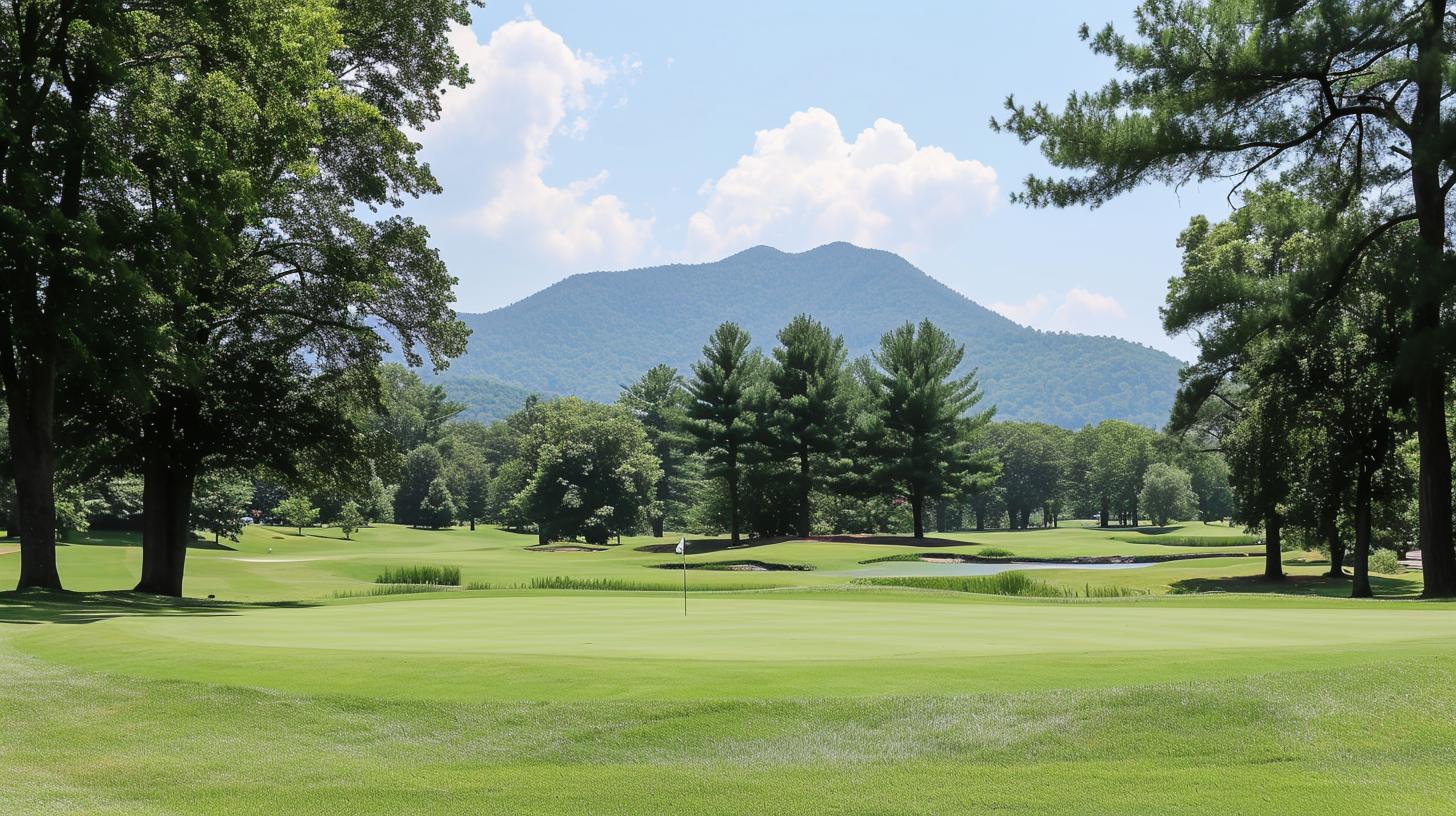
[(793, 442)]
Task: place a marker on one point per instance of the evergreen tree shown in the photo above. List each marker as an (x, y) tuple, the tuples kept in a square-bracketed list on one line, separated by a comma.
[(920, 430), (1342, 98), (719, 417), (659, 401), (807, 413)]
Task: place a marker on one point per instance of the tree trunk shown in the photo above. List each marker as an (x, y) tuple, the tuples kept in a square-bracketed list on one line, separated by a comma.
[(980, 519), (166, 528), (1134, 512), (1103, 520), (1331, 531), (917, 506), (657, 526), (472, 524), (940, 516), (1273, 548), (803, 493), (1360, 587), (31, 399), (1428, 375)]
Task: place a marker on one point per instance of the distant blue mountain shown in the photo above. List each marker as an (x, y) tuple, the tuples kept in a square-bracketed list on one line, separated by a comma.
[(591, 333)]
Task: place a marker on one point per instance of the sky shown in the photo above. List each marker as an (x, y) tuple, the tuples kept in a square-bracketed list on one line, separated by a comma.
[(618, 135)]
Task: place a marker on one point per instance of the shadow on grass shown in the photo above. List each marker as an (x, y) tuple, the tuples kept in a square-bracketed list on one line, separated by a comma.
[(46, 606), (1320, 585)]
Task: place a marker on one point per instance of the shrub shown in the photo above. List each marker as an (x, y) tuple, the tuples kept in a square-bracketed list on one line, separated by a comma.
[(1384, 562), (994, 552), (426, 574)]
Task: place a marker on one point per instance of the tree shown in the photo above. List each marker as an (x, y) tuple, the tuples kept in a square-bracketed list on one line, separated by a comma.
[(592, 472), (297, 511), (1167, 494), (718, 414), (659, 401), (349, 520), (1208, 474), (267, 149), (1344, 97), (378, 504), (66, 234), (219, 502), (1033, 459), (807, 413), (437, 508), (422, 467), (920, 431)]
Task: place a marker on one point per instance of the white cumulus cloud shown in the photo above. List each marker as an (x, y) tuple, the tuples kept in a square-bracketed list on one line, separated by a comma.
[(492, 145), (804, 184), (1079, 310)]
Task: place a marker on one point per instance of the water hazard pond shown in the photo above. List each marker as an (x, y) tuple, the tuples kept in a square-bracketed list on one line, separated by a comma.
[(923, 569)]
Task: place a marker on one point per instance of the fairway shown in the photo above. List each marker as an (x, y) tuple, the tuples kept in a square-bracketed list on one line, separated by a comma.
[(800, 691)]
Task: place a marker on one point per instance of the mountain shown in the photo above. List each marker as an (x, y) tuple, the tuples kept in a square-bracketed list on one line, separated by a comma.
[(590, 333)]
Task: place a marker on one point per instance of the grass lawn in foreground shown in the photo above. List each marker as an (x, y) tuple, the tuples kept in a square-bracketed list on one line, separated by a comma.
[(806, 695)]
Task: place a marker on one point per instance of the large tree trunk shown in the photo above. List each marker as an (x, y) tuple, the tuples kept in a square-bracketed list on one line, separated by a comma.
[(656, 527), (166, 523), (1103, 520), (1134, 512), (1360, 587), (30, 395), (1428, 375), (1273, 548), (980, 519), (940, 511)]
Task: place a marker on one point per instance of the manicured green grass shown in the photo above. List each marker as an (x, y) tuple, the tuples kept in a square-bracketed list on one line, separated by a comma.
[(793, 692)]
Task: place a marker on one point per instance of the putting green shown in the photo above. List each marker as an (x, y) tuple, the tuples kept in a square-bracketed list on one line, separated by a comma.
[(754, 645)]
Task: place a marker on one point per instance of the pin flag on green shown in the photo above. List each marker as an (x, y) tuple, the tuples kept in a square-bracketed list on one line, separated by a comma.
[(682, 550)]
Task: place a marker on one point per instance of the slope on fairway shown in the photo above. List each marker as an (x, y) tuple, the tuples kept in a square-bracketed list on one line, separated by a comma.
[(591, 645)]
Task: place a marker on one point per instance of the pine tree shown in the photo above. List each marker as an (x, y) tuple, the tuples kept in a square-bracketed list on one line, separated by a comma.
[(719, 415), (659, 401), (807, 413), (920, 431)]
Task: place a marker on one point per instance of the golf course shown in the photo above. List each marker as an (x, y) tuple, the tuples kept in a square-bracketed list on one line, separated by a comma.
[(305, 686)]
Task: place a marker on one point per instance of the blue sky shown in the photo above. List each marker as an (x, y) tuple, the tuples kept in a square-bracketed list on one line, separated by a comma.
[(607, 136)]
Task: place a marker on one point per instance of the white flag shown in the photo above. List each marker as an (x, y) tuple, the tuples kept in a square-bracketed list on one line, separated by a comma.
[(682, 546)]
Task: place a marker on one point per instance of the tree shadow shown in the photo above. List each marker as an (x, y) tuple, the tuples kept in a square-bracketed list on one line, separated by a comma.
[(33, 606), (1317, 585)]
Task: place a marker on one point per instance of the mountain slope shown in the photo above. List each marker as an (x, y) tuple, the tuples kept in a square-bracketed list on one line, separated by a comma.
[(590, 333)]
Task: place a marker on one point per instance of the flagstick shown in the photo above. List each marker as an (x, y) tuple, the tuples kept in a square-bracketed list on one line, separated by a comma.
[(685, 581)]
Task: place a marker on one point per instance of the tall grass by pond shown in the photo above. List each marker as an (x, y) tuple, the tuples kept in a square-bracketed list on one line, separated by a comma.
[(420, 574), (1190, 541), (1004, 583)]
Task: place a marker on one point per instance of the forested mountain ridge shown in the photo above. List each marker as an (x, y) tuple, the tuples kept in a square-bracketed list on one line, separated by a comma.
[(590, 333)]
